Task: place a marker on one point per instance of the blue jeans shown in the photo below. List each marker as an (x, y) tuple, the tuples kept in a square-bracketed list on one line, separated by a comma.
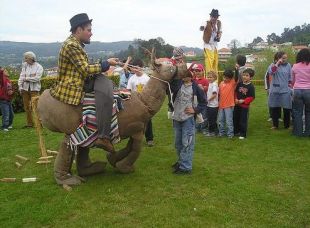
[(185, 142), (301, 103), (226, 116), (7, 113)]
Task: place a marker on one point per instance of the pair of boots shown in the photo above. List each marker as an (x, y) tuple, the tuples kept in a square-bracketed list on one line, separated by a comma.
[(64, 160)]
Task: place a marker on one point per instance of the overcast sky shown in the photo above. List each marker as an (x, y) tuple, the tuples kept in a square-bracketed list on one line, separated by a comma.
[(175, 21)]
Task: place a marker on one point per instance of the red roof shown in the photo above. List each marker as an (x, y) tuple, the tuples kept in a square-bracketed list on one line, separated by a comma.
[(224, 50)]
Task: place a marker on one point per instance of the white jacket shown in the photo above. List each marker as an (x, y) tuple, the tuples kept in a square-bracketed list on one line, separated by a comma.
[(29, 79)]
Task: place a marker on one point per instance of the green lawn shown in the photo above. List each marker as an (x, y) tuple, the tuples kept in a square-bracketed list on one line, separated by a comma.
[(263, 181)]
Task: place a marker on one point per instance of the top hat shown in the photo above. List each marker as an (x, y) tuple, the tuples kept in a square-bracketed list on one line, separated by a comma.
[(214, 13), (79, 19)]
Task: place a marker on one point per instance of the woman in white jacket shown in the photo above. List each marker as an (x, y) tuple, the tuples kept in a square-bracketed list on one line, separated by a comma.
[(29, 83)]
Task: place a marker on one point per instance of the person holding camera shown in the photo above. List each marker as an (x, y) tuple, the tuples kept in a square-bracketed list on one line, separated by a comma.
[(280, 92), (212, 32)]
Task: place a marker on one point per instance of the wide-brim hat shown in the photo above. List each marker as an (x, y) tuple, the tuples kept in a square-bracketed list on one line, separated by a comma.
[(79, 19), (214, 13)]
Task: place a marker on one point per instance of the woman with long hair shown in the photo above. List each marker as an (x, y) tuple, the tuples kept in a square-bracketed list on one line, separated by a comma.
[(301, 93)]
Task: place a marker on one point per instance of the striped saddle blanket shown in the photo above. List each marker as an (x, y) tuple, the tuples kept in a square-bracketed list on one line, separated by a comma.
[(87, 133)]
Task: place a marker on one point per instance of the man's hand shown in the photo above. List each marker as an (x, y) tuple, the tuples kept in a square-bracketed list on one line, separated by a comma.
[(113, 61), (189, 110)]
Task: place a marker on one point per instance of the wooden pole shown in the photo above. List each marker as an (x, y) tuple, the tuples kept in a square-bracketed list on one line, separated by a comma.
[(37, 122)]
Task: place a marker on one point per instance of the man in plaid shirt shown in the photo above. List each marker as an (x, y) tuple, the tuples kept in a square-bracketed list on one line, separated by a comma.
[(74, 68)]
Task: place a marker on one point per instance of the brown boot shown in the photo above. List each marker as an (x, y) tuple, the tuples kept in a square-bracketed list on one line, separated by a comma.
[(105, 144), (84, 165), (63, 163)]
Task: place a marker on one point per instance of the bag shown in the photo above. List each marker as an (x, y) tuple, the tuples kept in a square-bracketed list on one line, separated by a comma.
[(89, 83)]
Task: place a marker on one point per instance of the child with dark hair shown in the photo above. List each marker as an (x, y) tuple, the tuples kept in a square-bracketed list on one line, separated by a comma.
[(301, 94), (227, 103), (245, 94), (280, 92), (240, 66), (6, 92), (136, 83), (125, 74)]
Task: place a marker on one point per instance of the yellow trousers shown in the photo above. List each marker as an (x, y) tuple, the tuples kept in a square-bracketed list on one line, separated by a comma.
[(211, 60), (27, 95)]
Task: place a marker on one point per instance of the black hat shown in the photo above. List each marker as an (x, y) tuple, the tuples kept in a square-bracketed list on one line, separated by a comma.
[(79, 19), (214, 13)]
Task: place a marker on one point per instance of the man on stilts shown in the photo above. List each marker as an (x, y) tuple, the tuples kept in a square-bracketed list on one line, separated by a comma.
[(212, 32)]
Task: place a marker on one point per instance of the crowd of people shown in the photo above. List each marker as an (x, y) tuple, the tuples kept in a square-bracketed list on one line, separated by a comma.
[(199, 104)]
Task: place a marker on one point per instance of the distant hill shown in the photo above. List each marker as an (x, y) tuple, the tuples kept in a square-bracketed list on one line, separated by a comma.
[(11, 53)]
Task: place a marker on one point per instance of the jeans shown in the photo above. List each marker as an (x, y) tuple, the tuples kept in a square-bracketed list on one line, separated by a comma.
[(301, 104), (185, 142), (226, 116), (7, 113)]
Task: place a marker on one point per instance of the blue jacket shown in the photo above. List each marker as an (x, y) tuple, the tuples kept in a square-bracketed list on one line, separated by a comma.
[(199, 93)]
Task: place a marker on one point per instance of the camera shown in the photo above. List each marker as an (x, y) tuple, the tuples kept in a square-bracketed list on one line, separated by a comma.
[(217, 39)]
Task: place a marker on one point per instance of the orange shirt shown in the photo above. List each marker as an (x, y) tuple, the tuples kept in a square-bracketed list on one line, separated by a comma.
[(227, 94)]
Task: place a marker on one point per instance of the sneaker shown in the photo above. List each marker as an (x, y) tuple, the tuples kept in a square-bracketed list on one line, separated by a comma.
[(230, 137), (274, 128), (269, 120), (280, 120), (175, 165), (150, 143), (10, 127), (182, 171), (241, 137), (5, 129), (211, 134)]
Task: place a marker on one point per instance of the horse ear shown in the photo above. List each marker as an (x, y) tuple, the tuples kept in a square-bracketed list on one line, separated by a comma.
[(153, 59)]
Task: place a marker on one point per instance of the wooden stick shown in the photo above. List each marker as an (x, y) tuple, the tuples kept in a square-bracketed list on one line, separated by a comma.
[(34, 103), (8, 179), (46, 158), (67, 187), (18, 165), (21, 157), (43, 162), (52, 152)]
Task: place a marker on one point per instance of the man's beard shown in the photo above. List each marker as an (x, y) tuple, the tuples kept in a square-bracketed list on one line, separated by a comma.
[(86, 42)]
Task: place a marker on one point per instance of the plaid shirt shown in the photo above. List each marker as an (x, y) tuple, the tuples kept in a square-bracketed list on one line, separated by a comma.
[(73, 69)]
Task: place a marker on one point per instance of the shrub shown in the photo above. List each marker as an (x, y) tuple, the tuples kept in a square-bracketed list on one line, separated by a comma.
[(46, 83)]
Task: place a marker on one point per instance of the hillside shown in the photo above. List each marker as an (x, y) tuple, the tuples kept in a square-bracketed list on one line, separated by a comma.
[(11, 52)]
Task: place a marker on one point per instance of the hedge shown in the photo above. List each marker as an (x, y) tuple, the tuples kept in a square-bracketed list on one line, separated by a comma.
[(48, 82)]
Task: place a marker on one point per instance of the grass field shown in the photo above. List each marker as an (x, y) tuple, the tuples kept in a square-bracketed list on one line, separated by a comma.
[(263, 181)]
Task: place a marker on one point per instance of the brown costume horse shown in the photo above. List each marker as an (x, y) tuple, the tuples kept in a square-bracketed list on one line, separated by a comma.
[(60, 117)]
